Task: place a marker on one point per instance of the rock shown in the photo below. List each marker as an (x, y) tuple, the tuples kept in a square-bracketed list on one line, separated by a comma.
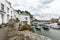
[(12, 28), (17, 25), (32, 36), (27, 35)]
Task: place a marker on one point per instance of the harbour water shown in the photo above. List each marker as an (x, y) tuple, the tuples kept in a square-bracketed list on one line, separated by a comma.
[(51, 33)]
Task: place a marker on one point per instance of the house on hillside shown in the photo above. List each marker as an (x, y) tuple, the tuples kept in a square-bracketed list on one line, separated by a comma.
[(24, 17), (54, 20)]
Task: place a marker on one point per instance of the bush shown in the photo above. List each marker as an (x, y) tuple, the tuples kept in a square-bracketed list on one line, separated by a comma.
[(24, 27), (27, 27)]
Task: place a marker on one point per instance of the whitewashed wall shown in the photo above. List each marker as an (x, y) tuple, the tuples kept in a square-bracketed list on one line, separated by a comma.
[(6, 4), (22, 18), (0, 19), (3, 2)]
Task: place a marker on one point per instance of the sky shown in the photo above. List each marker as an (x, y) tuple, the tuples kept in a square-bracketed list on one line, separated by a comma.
[(41, 9)]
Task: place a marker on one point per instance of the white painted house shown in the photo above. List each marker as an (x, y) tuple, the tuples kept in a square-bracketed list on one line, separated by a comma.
[(6, 11), (24, 17)]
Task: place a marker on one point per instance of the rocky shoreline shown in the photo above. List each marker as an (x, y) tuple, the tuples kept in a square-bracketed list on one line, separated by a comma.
[(27, 35)]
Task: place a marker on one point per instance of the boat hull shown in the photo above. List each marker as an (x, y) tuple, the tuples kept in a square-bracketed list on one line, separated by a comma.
[(45, 28), (38, 28)]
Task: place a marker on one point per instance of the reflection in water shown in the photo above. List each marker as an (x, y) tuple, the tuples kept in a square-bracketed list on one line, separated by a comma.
[(52, 33)]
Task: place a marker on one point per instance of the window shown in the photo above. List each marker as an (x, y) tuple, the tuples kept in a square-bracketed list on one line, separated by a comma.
[(7, 10), (2, 16), (7, 16), (2, 7), (11, 12), (26, 18)]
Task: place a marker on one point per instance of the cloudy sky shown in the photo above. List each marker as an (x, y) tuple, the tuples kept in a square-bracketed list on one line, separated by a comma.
[(41, 9)]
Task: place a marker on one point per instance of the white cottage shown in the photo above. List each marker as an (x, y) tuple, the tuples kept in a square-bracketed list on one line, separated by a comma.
[(24, 17)]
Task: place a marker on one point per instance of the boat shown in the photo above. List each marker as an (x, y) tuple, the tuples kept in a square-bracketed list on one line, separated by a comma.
[(55, 26), (45, 27), (38, 28)]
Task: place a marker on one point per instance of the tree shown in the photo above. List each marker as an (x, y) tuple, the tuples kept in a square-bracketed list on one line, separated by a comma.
[(18, 11), (31, 16)]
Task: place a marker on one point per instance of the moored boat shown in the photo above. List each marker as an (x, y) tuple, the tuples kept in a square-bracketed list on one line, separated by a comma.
[(38, 28), (45, 27)]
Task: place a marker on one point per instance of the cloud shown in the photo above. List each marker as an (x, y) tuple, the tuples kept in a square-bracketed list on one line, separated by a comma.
[(45, 9), (46, 1)]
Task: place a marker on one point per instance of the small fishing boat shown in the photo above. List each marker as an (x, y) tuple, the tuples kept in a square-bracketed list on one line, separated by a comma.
[(38, 28), (45, 27)]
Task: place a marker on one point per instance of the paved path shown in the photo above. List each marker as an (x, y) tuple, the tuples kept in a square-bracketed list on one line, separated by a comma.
[(4, 33)]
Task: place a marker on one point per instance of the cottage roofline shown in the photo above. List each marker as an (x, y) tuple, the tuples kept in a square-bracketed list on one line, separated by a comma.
[(8, 2)]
